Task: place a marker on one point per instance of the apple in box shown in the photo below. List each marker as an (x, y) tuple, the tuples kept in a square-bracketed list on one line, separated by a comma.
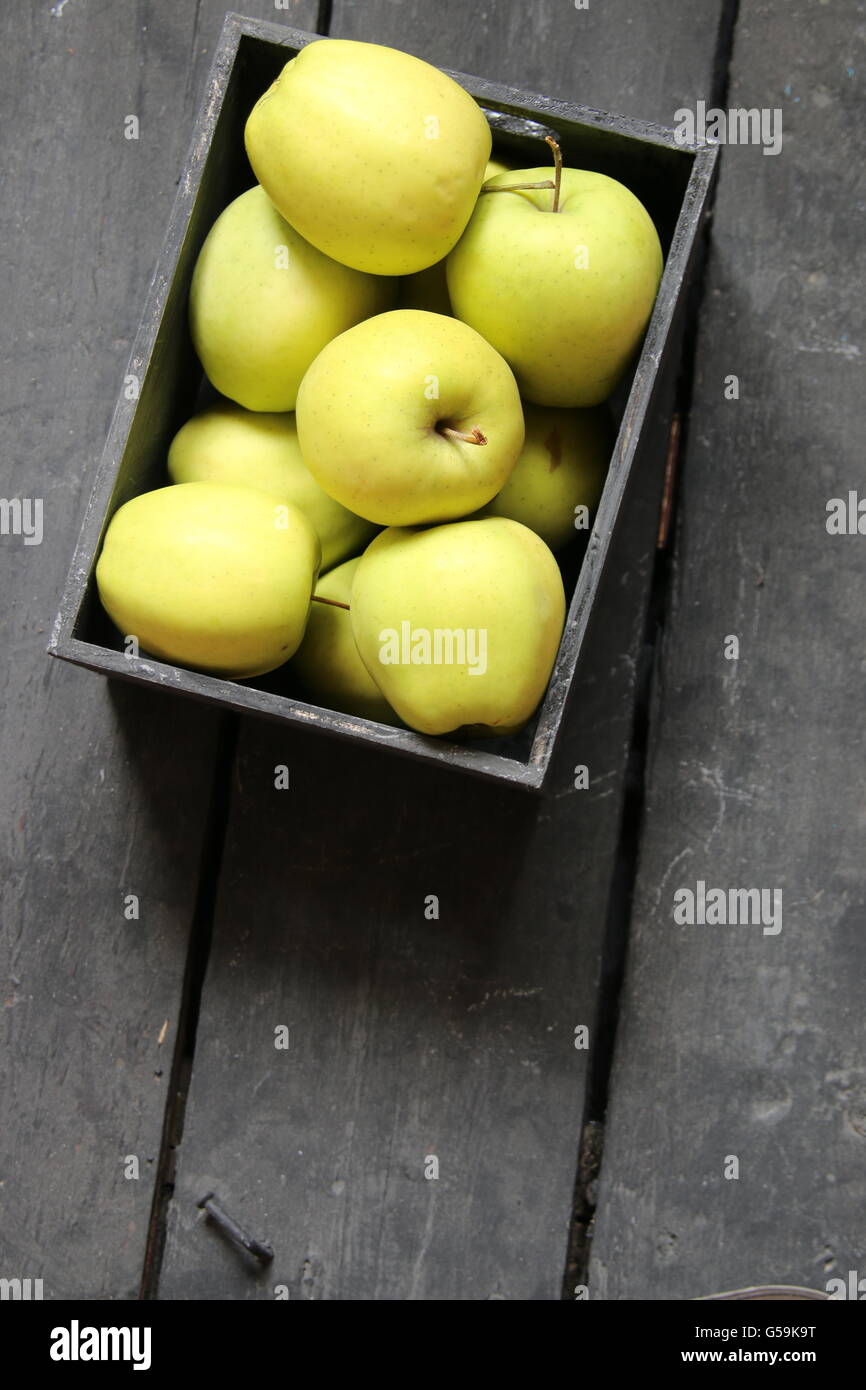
[(560, 275), (459, 625), (374, 156), (410, 417)]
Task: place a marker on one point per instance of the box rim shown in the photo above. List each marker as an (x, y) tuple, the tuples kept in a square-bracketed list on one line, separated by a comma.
[(634, 126), (250, 700), (530, 773), (656, 346)]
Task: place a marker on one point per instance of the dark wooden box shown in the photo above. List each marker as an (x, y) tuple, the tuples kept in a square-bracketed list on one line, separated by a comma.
[(671, 180)]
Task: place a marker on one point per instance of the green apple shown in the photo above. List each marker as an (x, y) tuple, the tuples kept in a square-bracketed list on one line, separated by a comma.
[(211, 576), (565, 296), (410, 417), (228, 444), (263, 302), (327, 660), (494, 167), (459, 625), (373, 155), (428, 289), (557, 481)]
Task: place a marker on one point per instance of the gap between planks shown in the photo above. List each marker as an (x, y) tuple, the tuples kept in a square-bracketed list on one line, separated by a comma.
[(615, 948), (590, 1155), (201, 933), (219, 811)]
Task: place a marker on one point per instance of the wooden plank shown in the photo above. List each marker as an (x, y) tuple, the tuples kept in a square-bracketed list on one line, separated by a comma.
[(616, 55), (104, 791), (735, 1042), (408, 1038)]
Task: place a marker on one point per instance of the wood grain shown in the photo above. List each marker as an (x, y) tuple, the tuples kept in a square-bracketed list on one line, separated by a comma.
[(734, 1042), (104, 790), (409, 1038), (643, 60)]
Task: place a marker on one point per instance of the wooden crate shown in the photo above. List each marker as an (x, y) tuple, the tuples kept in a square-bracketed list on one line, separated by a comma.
[(671, 179)]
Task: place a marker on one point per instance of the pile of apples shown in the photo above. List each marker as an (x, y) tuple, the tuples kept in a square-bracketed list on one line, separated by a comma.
[(405, 338)]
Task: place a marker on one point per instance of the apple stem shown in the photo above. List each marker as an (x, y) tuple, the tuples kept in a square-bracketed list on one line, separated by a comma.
[(331, 602), (557, 172), (512, 187), (475, 436)]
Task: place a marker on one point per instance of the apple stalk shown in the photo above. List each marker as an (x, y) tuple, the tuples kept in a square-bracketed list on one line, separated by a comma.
[(475, 435), (553, 183), (514, 187), (331, 602), (557, 170)]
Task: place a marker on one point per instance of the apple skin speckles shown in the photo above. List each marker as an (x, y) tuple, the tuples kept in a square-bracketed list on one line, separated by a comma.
[(393, 183), (555, 485), (564, 297), (491, 589), (264, 302), (368, 406)]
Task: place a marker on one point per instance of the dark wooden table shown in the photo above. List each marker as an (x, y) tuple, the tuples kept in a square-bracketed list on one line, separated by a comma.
[(714, 1132)]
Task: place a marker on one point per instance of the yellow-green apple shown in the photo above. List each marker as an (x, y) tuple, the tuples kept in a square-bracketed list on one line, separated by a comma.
[(373, 155), (494, 167), (327, 661), (459, 624), (564, 295), (428, 289), (410, 417), (263, 302), (227, 444), (556, 483), (211, 576)]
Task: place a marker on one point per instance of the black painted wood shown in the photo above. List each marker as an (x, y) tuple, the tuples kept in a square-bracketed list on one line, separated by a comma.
[(636, 59), (672, 182), (734, 1042), (409, 1038), (104, 790)]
